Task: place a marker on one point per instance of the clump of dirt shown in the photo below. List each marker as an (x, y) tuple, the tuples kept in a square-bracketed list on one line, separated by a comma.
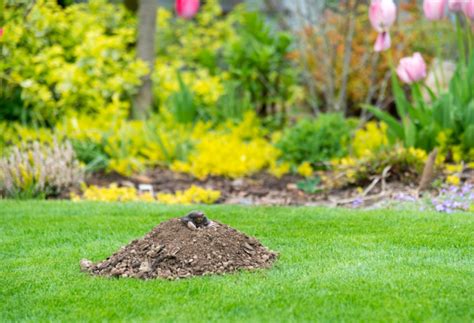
[(172, 250)]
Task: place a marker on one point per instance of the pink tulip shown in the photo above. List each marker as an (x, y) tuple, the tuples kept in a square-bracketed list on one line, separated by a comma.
[(468, 8), (455, 5), (383, 42), (382, 15), (434, 9), (187, 8), (412, 69), (1, 32)]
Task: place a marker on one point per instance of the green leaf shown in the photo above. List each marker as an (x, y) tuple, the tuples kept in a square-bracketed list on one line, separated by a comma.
[(442, 111), (468, 139), (309, 185), (410, 132), (401, 102)]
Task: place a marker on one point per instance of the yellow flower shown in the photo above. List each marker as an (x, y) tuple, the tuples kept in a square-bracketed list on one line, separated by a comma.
[(453, 180), (419, 154), (370, 138), (451, 169), (192, 195), (305, 169), (279, 169), (233, 150)]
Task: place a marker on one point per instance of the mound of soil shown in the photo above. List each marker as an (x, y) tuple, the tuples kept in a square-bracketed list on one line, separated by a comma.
[(172, 250)]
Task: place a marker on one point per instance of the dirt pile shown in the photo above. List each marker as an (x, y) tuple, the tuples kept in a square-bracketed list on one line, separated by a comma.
[(172, 250)]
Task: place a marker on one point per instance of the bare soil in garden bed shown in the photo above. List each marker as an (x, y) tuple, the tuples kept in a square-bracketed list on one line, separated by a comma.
[(260, 189), (172, 250)]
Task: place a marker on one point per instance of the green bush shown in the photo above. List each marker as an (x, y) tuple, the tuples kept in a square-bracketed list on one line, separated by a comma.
[(317, 141), (257, 59)]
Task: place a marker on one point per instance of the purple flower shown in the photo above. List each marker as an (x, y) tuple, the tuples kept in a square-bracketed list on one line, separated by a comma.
[(440, 208), (357, 202)]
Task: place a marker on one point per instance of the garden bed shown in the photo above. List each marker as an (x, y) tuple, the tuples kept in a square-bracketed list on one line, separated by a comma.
[(265, 189)]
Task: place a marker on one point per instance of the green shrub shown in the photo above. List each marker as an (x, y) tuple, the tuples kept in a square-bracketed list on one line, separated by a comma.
[(317, 141), (257, 59)]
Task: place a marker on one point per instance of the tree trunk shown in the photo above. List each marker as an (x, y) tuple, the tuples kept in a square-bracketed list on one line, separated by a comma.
[(146, 52)]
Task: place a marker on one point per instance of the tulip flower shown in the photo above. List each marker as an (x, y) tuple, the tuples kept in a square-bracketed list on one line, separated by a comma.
[(1, 32), (382, 15), (412, 69), (468, 8), (434, 9), (455, 5), (187, 8), (383, 42)]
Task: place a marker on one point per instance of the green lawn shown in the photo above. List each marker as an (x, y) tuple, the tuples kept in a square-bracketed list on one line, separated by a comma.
[(334, 264)]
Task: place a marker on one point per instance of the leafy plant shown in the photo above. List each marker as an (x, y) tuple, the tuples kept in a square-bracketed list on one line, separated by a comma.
[(257, 59), (340, 68), (37, 171), (92, 154), (309, 185), (396, 162), (182, 103), (317, 141), (58, 61), (421, 123), (234, 102)]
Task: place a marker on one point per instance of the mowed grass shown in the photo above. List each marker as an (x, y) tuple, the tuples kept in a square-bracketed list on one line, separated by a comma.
[(334, 265)]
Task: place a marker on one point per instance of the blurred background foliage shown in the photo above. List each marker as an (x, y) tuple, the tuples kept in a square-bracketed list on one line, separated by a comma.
[(239, 89)]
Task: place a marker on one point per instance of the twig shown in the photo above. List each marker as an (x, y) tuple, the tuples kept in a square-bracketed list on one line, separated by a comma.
[(359, 198), (371, 186), (428, 172), (385, 174)]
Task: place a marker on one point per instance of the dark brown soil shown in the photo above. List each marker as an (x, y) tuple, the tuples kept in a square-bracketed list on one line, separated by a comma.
[(172, 250), (258, 189), (264, 189)]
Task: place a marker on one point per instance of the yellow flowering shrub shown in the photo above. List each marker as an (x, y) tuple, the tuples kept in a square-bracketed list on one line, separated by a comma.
[(73, 59), (406, 164), (198, 40), (230, 150), (206, 87), (114, 193), (453, 172), (369, 139), (447, 148), (191, 48), (453, 180), (193, 195)]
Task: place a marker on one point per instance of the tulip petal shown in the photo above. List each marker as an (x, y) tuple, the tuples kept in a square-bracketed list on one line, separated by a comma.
[(468, 8), (402, 74), (187, 8), (455, 5), (383, 42), (434, 9), (382, 14), (412, 69)]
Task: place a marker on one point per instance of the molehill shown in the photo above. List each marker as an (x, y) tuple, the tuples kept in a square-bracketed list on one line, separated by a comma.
[(185, 247)]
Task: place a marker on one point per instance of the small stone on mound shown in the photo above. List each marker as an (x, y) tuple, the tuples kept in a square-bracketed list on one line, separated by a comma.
[(172, 250)]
